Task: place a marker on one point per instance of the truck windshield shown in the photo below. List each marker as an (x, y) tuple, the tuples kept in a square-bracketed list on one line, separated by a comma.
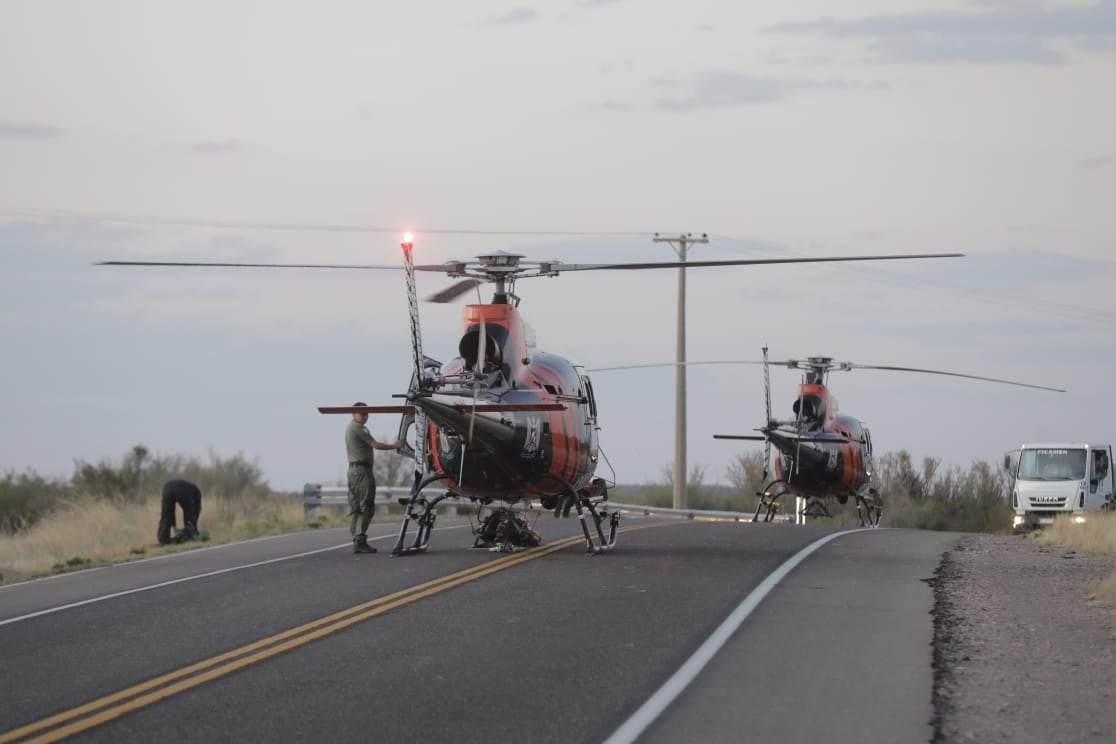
[(1052, 464)]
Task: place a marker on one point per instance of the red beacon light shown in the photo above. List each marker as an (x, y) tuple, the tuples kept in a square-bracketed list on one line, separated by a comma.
[(408, 240)]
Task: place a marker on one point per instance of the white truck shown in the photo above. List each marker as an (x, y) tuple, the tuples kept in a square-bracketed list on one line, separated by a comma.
[(1059, 479)]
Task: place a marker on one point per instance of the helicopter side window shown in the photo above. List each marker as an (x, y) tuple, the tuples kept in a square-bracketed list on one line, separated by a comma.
[(592, 399)]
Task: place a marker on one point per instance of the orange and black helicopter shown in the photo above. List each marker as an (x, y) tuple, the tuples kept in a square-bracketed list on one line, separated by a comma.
[(502, 423), (823, 455)]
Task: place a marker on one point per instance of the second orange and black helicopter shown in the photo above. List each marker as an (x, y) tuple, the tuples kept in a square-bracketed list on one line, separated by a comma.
[(823, 455), (502, 423)]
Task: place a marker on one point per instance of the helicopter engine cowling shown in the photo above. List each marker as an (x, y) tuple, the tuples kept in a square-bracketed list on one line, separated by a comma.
[(469, 346), (505, 451), (811, 464), (810, 409)]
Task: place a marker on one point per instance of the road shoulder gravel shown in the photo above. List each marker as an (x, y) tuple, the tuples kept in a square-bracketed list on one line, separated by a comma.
[(1021, 652)]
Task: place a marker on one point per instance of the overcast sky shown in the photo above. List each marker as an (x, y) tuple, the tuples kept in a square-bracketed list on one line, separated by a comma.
[(211, 130)]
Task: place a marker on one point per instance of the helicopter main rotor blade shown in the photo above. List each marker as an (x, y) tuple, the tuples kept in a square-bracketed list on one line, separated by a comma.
[(953, 374), (789, 435), (671, 364), (366, 409), (460, 407), (456, 267), (449, 294), (206, 264), (452, 292), (558, 266), (840, 366)]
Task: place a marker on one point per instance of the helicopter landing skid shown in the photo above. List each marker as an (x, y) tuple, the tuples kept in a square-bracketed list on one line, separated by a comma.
[(869, 508), (590, 505), (586, 507), (769, 500), (419, 510)]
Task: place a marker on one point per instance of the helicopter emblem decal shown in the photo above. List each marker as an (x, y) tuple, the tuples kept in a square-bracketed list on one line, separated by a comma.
[(531, 444)]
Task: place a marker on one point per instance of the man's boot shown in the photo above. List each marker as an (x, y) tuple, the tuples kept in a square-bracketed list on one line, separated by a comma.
[(360, 545)]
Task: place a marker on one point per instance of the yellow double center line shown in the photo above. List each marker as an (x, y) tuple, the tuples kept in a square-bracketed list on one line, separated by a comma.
[(109, 707)]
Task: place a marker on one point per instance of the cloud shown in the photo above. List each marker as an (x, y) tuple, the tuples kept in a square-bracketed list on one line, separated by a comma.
[(29, 130), (999, 33), (230, 145), (985, 50), (1042, 283), (119, 352), (515, 15), (1028, 267), (613, 106), (1095, 162), (1022, 270), (839, 84), (725, 89), (722, 90)]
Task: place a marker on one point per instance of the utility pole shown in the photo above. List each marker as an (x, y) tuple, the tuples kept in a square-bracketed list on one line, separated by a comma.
[(683, 239)]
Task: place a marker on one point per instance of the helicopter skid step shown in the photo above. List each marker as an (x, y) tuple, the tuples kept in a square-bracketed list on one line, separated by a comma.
[(601, 544)]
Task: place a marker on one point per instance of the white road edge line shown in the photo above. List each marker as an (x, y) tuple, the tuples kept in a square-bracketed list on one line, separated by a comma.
[(631, 729), (162, 584)]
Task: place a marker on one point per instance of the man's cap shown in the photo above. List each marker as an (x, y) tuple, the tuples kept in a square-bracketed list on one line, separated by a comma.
[(359, 403)]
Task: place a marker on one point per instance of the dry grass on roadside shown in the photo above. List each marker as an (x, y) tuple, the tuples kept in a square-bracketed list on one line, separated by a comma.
[(92, 532), (1096, 535)]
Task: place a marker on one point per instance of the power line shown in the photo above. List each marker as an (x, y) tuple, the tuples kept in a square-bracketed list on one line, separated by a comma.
[(300, 227), (1005, 299)]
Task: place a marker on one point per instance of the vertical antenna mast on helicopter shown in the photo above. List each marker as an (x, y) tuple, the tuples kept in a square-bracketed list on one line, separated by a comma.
[(767, 403)]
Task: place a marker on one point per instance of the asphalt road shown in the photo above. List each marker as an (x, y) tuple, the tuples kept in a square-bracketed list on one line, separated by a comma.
[(294, 638)]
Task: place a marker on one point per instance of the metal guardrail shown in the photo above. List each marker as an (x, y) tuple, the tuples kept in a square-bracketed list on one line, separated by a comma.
[(728, 516), (315, 495)]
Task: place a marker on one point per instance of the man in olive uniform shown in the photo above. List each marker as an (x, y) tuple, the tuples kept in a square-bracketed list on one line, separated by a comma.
[(360, 446)]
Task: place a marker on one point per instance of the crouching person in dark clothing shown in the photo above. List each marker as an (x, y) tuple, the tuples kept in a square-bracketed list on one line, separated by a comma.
[(185, 494)]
